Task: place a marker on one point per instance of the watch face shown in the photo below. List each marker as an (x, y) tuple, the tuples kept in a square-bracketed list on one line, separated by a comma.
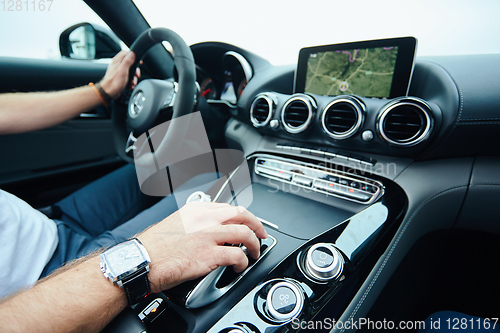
[(123, 258)]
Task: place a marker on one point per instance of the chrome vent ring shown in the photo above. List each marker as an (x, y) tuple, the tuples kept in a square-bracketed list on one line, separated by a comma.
[(406, 122), (342, 118), (261, 110), (297, 113)]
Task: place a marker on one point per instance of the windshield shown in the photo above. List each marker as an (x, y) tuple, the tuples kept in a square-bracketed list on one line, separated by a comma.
[(277, 30)]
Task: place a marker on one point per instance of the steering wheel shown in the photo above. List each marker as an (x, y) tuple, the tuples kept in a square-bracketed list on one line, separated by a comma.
[(151, 95)]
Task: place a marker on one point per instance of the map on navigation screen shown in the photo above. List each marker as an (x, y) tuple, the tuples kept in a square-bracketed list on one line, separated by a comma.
[(362, 72)]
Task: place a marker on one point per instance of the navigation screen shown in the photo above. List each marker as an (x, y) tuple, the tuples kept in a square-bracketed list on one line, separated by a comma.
[(362, 72), (378, 68)]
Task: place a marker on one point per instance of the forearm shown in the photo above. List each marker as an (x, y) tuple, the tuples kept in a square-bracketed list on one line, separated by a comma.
[(24, 112), (78, 299)]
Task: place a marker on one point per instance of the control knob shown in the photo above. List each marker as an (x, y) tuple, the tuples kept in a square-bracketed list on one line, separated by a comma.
[(284, 301), (324, 262)]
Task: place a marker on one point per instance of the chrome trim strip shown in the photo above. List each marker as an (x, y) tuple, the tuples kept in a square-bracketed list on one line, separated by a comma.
[(223, 187), (269, 224), (247, 68), (206, 290), (226, 103)]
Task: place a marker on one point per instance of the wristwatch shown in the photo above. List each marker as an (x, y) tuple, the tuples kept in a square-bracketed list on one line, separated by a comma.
[(127, 266)]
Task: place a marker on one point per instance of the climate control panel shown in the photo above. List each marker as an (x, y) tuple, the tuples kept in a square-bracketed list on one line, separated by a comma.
[(327, 181)]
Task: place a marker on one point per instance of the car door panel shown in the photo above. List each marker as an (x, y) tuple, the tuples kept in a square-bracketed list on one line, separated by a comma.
[(78, 143), (23, 75)]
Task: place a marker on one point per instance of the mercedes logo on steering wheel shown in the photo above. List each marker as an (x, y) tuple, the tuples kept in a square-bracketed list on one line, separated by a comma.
[(137, 104)]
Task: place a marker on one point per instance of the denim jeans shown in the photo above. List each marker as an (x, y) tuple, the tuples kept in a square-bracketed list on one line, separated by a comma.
[(103, 213)]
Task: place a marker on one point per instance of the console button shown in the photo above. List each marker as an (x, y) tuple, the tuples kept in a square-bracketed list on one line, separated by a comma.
[(284, 301), (324, 262), (274, 173), (322, 257), (369, 188), (331, 178), (328, 187), (302, 181), (355, 185), (359, 195), (344, 182)]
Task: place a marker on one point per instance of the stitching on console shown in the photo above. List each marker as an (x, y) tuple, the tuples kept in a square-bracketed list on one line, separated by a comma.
[(479, 123), (474, 119), (391, 250)]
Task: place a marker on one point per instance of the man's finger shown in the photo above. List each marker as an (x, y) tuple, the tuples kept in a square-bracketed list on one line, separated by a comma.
[(128, 60), (237, 234), (231, 256), (240, 215), (119, 56)]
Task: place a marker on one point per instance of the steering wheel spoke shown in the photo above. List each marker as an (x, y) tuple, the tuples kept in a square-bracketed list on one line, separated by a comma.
[(130, 144), (169, 100)]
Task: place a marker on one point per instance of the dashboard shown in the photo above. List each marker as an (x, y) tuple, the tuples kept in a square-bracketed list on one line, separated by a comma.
[(347, 180), (426, 123), (225, 78)]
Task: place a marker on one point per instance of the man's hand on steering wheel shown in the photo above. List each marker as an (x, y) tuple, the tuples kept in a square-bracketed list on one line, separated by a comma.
[(116, 77), (150, 96)]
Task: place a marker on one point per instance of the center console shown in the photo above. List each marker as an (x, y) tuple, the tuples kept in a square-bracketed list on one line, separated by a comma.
[(327, 226)]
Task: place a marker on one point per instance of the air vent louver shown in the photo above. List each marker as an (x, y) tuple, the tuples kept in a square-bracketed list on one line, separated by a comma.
[(405, 123), (341, 118), (261, 111), (297, 113)]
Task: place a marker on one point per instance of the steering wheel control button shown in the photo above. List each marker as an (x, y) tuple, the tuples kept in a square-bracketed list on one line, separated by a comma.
[(324, 262), (284, 301)]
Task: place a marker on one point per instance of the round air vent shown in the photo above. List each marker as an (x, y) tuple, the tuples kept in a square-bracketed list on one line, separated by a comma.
[(297, 113), (406, 122), (342, 118), (261, 110)]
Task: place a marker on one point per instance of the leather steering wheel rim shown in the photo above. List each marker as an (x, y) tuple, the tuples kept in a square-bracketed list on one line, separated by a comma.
[(184, 98)]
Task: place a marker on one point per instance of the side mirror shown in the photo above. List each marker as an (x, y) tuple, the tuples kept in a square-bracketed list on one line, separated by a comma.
[(88, 41)]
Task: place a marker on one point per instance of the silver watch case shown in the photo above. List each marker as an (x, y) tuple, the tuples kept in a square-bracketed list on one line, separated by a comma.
[(107, 261)]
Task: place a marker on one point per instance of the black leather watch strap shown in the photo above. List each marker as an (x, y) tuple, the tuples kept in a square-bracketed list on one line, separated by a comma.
[(137, 287)]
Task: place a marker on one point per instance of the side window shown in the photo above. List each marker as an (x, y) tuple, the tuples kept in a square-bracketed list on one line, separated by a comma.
[(31, 28)]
